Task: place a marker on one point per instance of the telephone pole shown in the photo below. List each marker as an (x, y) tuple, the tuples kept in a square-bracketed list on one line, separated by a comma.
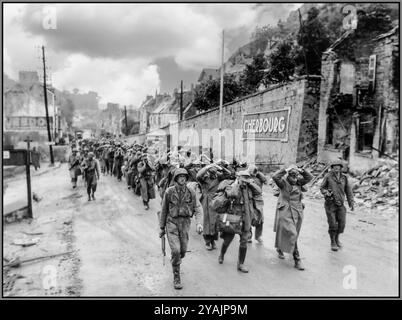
[(47, 111), (181, 100), (125, 116)]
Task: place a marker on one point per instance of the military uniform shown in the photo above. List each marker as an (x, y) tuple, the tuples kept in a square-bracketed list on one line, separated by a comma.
[(289, 213), (179, 204), (335, 188), (92, 174), (146, 176), (74, 167), (239, 194), (259, 179), (209, 181)]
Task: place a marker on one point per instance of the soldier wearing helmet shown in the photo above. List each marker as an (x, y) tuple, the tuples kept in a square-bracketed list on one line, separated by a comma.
[(179, 204), (289, 211), (336, 188), (146, 174), (259, 179), (74, 167), (92, 174), (235, 200)]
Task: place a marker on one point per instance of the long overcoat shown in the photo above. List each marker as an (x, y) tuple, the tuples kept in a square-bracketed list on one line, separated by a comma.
[(289, 210)]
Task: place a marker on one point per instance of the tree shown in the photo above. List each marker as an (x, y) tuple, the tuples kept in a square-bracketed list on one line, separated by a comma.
[(254, 73), (314, 40), (281, 64), (264, 32), (207, 94)]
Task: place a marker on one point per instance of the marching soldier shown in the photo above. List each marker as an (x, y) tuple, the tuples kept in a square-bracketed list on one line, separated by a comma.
[(92, 174), (209, 179), (335, 187), (259, 179), (74, 167), (289, 211), (238, 202), (178, 206), (146, 175)]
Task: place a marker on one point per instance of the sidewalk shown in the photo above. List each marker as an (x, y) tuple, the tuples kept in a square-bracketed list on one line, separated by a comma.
[(15, 187)]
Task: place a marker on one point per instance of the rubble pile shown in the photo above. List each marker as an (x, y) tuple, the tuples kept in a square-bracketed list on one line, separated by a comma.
[(377, 188)]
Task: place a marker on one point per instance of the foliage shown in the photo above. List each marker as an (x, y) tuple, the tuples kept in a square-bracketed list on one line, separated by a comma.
[(264, 32), (281, 64), (207, 94), (253, 75), (314, 40)]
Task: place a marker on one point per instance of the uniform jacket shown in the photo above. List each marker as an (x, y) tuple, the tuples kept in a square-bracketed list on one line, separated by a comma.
[(239, 201), (258, 200), (74, 165), (180, 202), (340, 188), (92, 170)]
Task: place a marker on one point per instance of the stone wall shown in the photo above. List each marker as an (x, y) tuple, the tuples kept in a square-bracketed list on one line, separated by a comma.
[(387, 88), (300, 96)]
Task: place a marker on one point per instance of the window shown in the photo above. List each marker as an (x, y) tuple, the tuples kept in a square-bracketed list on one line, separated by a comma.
[(347, 78), (365, 132)]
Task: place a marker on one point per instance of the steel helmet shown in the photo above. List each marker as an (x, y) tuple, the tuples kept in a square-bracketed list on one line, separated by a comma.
[(180, 171)]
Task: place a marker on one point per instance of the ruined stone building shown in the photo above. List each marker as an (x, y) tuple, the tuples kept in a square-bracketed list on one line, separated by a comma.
[(359, 100)]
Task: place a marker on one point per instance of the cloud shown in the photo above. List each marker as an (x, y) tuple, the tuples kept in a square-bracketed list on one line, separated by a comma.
[(121, 81), (112, 48)]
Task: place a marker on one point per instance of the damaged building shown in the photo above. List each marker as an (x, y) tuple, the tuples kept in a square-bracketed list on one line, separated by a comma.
[(359, 100)]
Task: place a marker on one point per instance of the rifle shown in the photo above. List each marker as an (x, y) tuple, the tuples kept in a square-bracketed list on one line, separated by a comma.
[(72, 166), (163, 240)]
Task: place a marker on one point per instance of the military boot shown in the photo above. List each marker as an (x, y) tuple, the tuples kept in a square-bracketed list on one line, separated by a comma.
[(296, 257), (338, 242), (334, 246), (176, 278), (299, 265), (223, 251), (242, 257)]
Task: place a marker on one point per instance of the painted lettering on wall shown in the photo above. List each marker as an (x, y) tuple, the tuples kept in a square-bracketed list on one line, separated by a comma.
[(27, 123), (271, 125)]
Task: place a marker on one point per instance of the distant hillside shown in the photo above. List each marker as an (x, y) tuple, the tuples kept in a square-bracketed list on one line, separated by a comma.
[(330, 14)]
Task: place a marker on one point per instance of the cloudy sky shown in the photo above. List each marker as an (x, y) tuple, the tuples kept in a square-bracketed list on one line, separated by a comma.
[(126, 51)]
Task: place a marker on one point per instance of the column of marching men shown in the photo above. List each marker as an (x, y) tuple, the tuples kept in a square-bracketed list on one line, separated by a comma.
[(224, 198)]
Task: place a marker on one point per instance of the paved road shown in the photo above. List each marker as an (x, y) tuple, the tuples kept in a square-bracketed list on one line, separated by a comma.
[(120, 254)]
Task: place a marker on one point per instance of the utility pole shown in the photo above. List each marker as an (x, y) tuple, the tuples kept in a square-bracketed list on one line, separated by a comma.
[(304, 52), (221, 94), (125, 115), (181, 100), (28, 175), (47, 111), (221, 87)]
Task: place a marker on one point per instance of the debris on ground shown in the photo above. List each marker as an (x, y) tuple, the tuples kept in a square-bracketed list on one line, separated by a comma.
[(35, 197), (17, 262), (376, 188), (26, 242)]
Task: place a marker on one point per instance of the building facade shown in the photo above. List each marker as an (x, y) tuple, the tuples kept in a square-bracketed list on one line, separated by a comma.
[(359, 103)]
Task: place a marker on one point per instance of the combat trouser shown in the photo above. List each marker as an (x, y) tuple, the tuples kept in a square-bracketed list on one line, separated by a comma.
[(336, 216), (177, 230)]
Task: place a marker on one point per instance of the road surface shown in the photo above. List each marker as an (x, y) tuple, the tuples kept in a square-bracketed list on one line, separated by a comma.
[(119, 251)]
